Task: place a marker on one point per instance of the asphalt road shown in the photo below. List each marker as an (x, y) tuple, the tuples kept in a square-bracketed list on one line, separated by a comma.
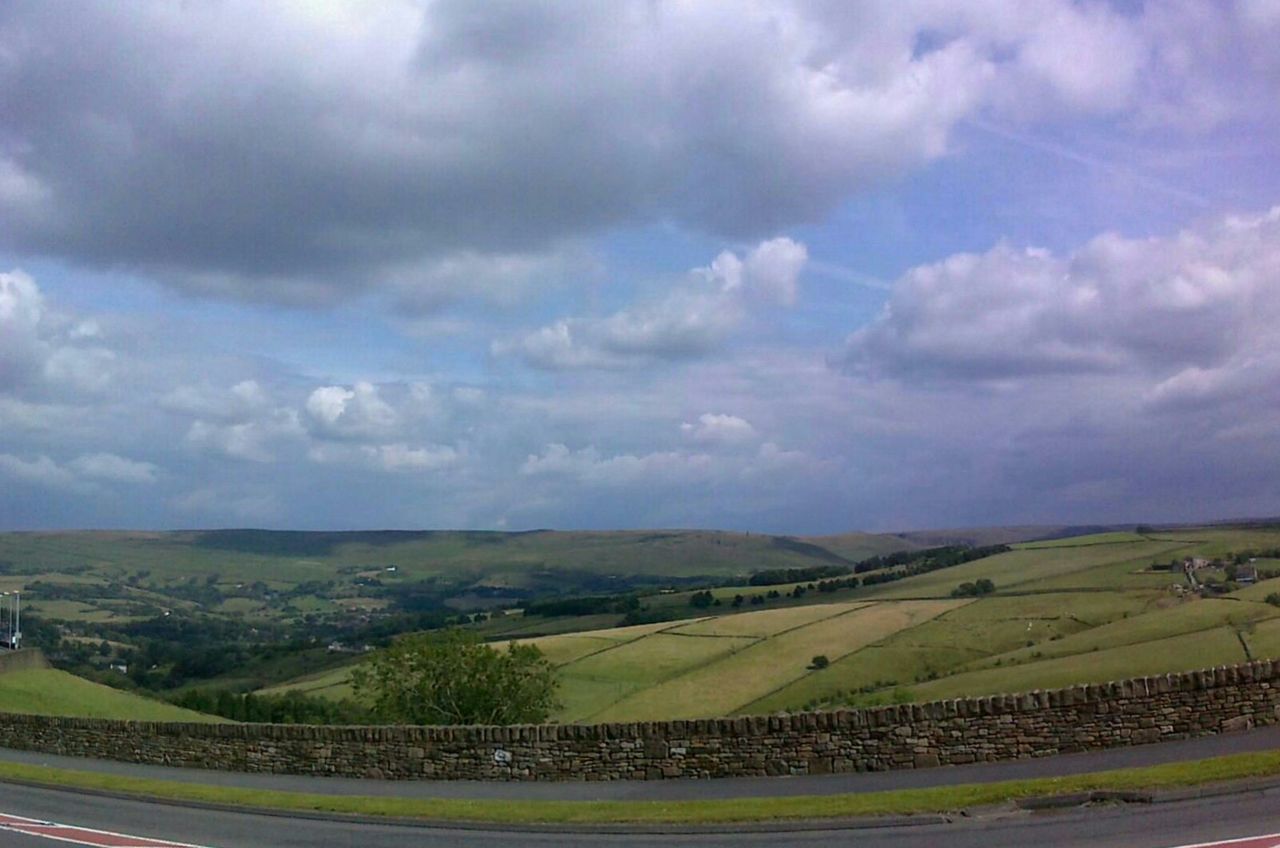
[(1144, 826), (1262, 739)]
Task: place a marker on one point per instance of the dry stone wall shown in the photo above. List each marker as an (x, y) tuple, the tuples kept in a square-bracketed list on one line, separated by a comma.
[(1005, 727)]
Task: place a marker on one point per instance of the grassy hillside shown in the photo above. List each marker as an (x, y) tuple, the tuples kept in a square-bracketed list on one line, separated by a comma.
[(249, 609), (48, 691), (270, 576), (1084, 609)]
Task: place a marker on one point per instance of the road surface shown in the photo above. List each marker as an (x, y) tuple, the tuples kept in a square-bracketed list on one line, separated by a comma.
[(1142, 826)]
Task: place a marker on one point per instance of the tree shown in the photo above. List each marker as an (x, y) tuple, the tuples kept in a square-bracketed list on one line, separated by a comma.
[(451, 677), (819, 662), (702, 600)]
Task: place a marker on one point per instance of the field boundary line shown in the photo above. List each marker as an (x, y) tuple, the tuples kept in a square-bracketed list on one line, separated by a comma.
[(625, 641), (861, 605), (877, 643), (1221, 626), (675, 675)]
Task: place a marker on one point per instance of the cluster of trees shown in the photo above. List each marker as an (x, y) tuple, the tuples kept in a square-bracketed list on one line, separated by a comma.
[(974, 589), (290, 708), (597, 605), (778, 576), (702, 600), (929, 559), (933, 559), (1241, 557)]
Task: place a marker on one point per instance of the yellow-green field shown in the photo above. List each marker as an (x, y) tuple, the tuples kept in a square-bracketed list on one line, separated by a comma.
[(48, 691), (1088, 609), (1219, 646)]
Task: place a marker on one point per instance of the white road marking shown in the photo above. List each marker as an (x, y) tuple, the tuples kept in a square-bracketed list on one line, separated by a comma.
[(83, 835), (1266, 840)]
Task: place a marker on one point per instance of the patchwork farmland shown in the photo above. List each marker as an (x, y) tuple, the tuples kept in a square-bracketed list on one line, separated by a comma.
[(1067, 611)]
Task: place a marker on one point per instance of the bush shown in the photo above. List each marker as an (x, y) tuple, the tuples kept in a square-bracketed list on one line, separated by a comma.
[(819, 662), (451, 677), (1274, 599), (973, 590)]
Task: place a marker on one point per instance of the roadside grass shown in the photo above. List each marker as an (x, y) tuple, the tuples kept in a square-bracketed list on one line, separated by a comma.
[(940, 799), (1190, 651), (48, 691)]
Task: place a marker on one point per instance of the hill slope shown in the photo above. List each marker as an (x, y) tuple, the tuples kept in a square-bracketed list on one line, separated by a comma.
[(48, 691)]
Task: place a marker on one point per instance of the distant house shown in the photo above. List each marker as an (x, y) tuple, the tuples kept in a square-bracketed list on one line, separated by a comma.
[(392, 569), (123, 668), (1246, 574)]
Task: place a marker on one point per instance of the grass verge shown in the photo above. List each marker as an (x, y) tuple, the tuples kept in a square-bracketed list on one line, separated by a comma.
[(902, 802)]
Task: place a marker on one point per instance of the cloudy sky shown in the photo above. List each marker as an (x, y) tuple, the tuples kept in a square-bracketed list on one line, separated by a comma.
[(790, 267)]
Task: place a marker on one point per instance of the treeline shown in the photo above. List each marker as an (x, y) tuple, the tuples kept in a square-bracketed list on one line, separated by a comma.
[(934, 559), (929, 559), (778, 576), (292, 707), (598, 605)]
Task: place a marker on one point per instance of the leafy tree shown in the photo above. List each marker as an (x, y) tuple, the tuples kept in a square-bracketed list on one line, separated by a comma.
[(971, 590), (1274, 599), (702, 600), (819, 662), (451, 677)]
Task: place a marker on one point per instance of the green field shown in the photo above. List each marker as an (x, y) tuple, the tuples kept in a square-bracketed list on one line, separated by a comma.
[(1068, 611), (48, 691), (1219, 646), (983, 628), (1056, 567), (1065, 610)]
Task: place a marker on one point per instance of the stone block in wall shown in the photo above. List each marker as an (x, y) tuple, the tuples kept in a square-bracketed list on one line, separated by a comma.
[(1237, 723)]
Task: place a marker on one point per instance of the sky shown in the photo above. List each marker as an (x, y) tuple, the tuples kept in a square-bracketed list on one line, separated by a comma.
[(771, 266)]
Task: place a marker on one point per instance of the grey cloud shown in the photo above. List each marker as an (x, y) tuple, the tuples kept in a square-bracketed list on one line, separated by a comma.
[(243, 401), (231, 159), (80, 475), (21, 348), (119, 469), (719, 428)]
